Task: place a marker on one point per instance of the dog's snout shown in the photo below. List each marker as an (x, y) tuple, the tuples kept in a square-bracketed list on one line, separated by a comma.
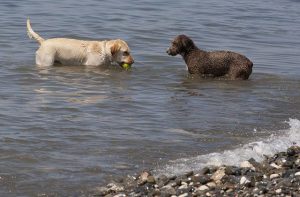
[(168, 51), (131, 60)]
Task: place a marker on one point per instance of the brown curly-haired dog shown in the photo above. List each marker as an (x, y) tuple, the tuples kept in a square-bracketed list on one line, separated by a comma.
[(213, 64)]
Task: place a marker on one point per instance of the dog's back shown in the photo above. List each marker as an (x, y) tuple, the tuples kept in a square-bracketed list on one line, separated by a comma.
[(231, 64), (218, 63), (214, 64)]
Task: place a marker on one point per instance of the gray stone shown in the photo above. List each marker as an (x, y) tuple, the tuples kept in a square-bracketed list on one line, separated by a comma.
[(172, 184), (205, 170), (288, 164), (168, 190), (201, 179), (244, 180), (151, 179), (247, 164), (275, 166), (143, 177), (289, 173), (178, 181), (263, 190), (173, 177), (120, 195), (232, 170), (203, 188), (162, 180), (218, 175), (211, 184), (273, 176), (184, 186), (133, 194), (292, 151), (129, 181), (184, 195), (189, 173), (183, 183), (157, 193), (115, 187), (208, 194)]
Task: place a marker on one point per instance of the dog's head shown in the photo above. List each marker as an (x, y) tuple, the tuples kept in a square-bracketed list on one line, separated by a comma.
[(120, 52), (180, 45)]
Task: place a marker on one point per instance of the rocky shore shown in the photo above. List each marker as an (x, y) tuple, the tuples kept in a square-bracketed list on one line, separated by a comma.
[(277, 175)]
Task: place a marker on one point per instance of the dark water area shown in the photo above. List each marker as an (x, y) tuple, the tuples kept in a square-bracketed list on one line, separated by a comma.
[(65, 130)]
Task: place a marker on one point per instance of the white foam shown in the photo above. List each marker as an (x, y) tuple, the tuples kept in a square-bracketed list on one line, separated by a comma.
[(256, 150)]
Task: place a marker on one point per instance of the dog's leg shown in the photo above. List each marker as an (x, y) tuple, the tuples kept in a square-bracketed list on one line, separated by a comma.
[(44, 59), (240, 72)]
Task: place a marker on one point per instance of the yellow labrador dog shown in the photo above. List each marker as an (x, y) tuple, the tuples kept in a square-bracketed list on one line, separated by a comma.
[(80, 52)]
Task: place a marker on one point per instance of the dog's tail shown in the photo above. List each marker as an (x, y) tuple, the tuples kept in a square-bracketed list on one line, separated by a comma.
[(32, 34)]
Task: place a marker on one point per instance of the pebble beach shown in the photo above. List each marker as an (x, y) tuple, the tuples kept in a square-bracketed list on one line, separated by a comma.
[(276, 175), (154, 129)]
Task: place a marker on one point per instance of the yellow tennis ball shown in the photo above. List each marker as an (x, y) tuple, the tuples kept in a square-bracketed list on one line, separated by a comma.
[(126, 66)]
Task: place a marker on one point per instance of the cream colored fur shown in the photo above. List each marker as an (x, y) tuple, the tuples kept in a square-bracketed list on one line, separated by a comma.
[(80, 52)]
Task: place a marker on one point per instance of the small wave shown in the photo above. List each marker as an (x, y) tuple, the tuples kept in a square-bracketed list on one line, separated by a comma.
[(256, 150)]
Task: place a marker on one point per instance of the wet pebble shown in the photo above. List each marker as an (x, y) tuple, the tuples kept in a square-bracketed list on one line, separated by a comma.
[(143, 177), (162, 180), (247, 164), (201, 179), (273, 176), (202, 188), (168, 190), (218, 175), (274, 165), (211, 185), (244, 180), (151, 179)]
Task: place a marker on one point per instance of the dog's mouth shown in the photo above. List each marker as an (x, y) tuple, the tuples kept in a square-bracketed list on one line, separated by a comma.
[(125, 65), (171, 52)]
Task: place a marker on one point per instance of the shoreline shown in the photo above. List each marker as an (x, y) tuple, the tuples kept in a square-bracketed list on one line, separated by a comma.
[(276, 175)]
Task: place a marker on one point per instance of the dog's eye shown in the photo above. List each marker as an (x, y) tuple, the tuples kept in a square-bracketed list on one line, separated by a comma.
[(125, 53)]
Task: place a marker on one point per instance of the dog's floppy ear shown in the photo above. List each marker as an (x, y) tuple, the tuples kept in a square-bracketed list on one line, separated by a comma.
[(115, 47), (186, 42)]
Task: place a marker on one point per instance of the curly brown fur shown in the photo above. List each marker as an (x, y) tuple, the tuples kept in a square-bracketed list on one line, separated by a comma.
[(214, 64)]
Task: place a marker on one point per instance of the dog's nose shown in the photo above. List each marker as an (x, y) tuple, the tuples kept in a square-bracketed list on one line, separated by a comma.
[(168, 51), (132, 60)]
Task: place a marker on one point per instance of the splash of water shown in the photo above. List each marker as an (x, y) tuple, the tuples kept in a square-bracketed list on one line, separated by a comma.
[(256, 150)]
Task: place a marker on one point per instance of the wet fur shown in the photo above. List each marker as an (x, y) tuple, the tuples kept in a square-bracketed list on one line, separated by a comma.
[(80, 52), (211, 64)]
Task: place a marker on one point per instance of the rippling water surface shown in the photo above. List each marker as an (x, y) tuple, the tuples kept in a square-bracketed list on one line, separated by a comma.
[(65, 130)]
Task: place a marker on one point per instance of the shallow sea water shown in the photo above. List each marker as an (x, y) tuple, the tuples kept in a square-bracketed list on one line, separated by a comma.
[(65, 130)]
